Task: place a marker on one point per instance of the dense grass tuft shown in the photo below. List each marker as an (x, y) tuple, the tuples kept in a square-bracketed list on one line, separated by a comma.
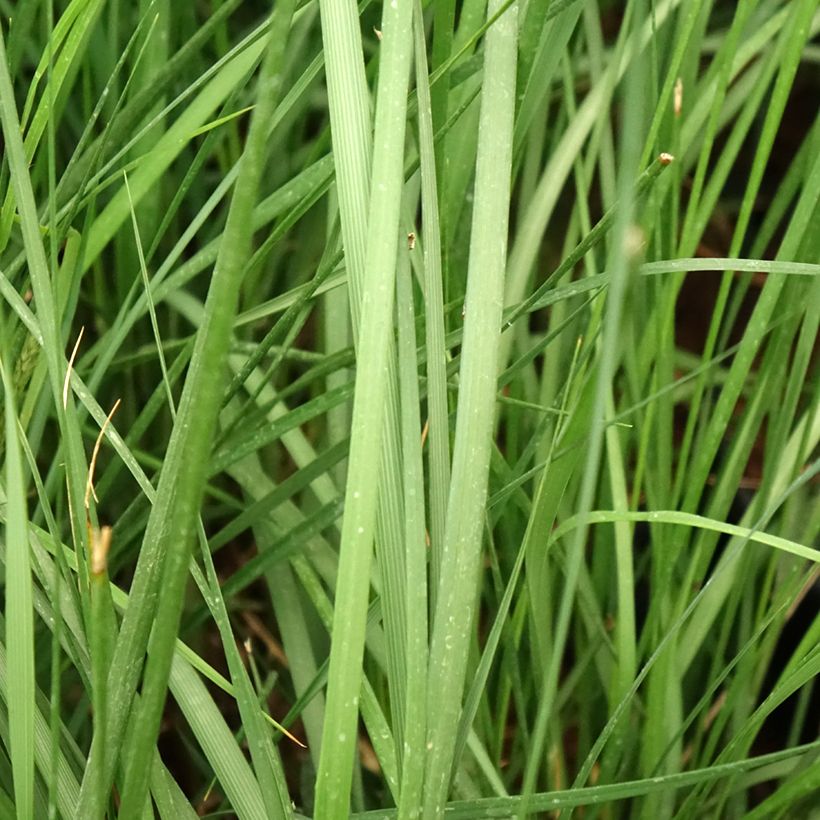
[(410, 409)]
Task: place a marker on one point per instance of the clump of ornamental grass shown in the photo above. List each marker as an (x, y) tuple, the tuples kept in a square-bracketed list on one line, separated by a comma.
[(410, 409)]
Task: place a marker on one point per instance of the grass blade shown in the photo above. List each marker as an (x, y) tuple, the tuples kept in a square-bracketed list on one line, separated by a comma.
[(362, 492), (19, 610), (455, 605)]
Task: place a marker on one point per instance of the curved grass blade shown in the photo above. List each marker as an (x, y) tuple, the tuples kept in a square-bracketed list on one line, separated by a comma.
[(19, 610)]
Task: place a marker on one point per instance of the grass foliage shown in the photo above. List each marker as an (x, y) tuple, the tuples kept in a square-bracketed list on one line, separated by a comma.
[(410, 409)]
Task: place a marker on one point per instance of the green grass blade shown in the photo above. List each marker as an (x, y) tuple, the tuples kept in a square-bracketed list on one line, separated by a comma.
[(454, 613), (19, 611), (415, 729), (362, 492), (438, 415)]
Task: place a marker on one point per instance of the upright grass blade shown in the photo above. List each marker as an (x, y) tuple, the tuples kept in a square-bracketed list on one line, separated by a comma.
[(542, 513), (455, 600), (438, 415), (415, 729), (349, 108), (626, 632), (19, 637), (163, 565), (372, 375)]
